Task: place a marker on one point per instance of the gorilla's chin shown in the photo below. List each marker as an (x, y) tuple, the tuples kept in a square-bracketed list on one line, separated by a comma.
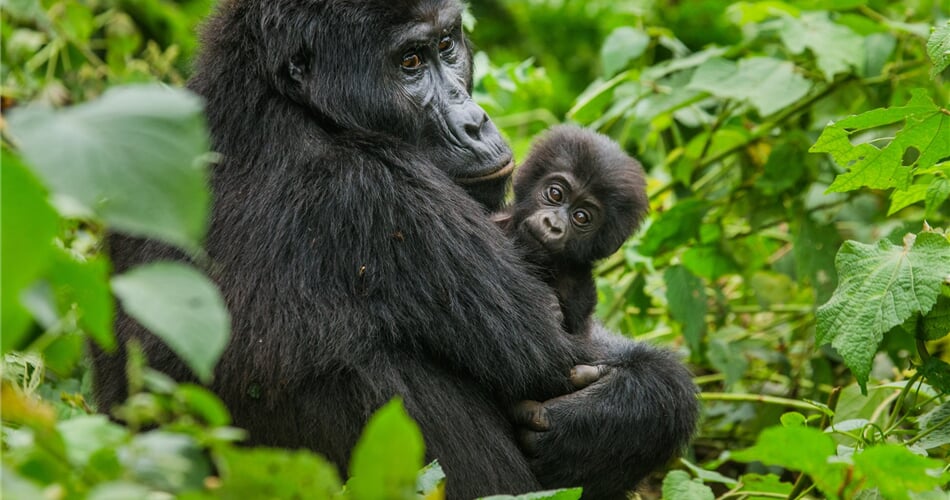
[(490, 192)]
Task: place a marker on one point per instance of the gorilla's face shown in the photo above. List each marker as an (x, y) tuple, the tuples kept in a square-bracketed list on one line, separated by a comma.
[(401, 68)]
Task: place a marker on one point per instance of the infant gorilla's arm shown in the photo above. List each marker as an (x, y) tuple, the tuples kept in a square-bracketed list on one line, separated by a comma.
[(635, 409)]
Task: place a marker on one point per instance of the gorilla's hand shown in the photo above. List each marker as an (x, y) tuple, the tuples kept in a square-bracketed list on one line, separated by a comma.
[(532, 416), (632, 412)]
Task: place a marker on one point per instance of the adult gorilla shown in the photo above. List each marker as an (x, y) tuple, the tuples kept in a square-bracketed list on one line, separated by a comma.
[(356, 268)]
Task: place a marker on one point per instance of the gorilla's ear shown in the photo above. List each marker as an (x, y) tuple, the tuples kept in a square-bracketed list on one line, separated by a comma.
[(297, 68)]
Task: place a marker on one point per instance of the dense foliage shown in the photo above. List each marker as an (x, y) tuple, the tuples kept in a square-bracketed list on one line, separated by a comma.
[(797, 254)]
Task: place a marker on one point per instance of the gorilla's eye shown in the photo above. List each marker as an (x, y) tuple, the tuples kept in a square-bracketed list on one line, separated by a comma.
[(581, 217), (446, 43), (412, 60), (555, 194)]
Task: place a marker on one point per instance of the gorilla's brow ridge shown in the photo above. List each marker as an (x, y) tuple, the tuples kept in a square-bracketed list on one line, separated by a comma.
[(428, 24)]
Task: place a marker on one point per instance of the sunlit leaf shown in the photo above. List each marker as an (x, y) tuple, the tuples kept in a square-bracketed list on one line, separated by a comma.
[(678, 485), (28, 225), (621, 46), (388, 456), (938, 48), (768, 84), (925, 124), (136, 157), (798, 448), (881, 286), (896, 471), (274, 473), (837, 48), (182, 307)]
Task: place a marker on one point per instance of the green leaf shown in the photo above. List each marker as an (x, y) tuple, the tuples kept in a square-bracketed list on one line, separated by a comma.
[(880, 287), (563, 494), (686, 296), (674, 227), (882, 168), (166, 461), (622, 45), (938, 48), (678, 485), (798, 448), (118, 491), (764, 483), (202, 402), (837, 48), (28, 225), (709, 262), (182, 307), (88, 434), (85, 284), (903, 198), (768, 84), (276, 473), (935, 419), (936, 324), (728, 358), (896, 471), (937, 373), (388, 456), (135, 157), (937, 193)]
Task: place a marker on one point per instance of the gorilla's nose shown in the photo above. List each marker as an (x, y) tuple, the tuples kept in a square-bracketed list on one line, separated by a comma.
[(553, 225), (470, 120)]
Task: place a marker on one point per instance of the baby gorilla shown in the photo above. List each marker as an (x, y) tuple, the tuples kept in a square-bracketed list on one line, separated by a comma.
[(578, 197)]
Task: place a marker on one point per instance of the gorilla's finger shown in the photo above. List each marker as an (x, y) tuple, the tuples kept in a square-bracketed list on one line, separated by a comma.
[(584, 375), (531, 414), (529, 442)]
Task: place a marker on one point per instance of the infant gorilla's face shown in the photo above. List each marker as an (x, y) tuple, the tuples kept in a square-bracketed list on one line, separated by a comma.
[(563, 213)]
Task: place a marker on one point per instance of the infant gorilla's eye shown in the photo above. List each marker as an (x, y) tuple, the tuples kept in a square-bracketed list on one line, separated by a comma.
[(411, 60), (446, 43), (581, 217), (555, 194)]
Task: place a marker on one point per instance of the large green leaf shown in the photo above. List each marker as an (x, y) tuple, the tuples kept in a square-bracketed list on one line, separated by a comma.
[(85, 284), (897, 472), (271, 473), (28, 225), (182, 307), (621, 46), (837, 48), (678, 485), (938, 47), (388, 456), (798, 448), (135, 157), (768, 84), (926, 131), (881, 286)]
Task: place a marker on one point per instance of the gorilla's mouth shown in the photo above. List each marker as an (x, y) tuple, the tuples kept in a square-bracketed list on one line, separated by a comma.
[(502, 172)]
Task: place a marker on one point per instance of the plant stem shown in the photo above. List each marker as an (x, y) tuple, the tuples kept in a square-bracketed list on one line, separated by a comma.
[(758, 398)]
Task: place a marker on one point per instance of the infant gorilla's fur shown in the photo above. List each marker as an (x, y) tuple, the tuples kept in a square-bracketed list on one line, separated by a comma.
[(578, 197)]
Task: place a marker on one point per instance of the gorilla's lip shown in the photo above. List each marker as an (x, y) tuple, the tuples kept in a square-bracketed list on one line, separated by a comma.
[(502, 172)]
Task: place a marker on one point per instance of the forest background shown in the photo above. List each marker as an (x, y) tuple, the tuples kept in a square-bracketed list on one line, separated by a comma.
[(796, 256)]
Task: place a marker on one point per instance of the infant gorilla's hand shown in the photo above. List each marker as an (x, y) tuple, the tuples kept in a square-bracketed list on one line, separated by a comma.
[(533, 417)]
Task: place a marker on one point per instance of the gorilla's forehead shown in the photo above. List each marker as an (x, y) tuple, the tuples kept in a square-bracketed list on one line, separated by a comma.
[(425, 19)]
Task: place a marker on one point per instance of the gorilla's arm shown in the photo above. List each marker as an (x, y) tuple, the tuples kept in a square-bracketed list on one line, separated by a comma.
[(638, 411)]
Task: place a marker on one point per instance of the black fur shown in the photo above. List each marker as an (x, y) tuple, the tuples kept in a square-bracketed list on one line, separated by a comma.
[(356, 269), (593, 174)]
